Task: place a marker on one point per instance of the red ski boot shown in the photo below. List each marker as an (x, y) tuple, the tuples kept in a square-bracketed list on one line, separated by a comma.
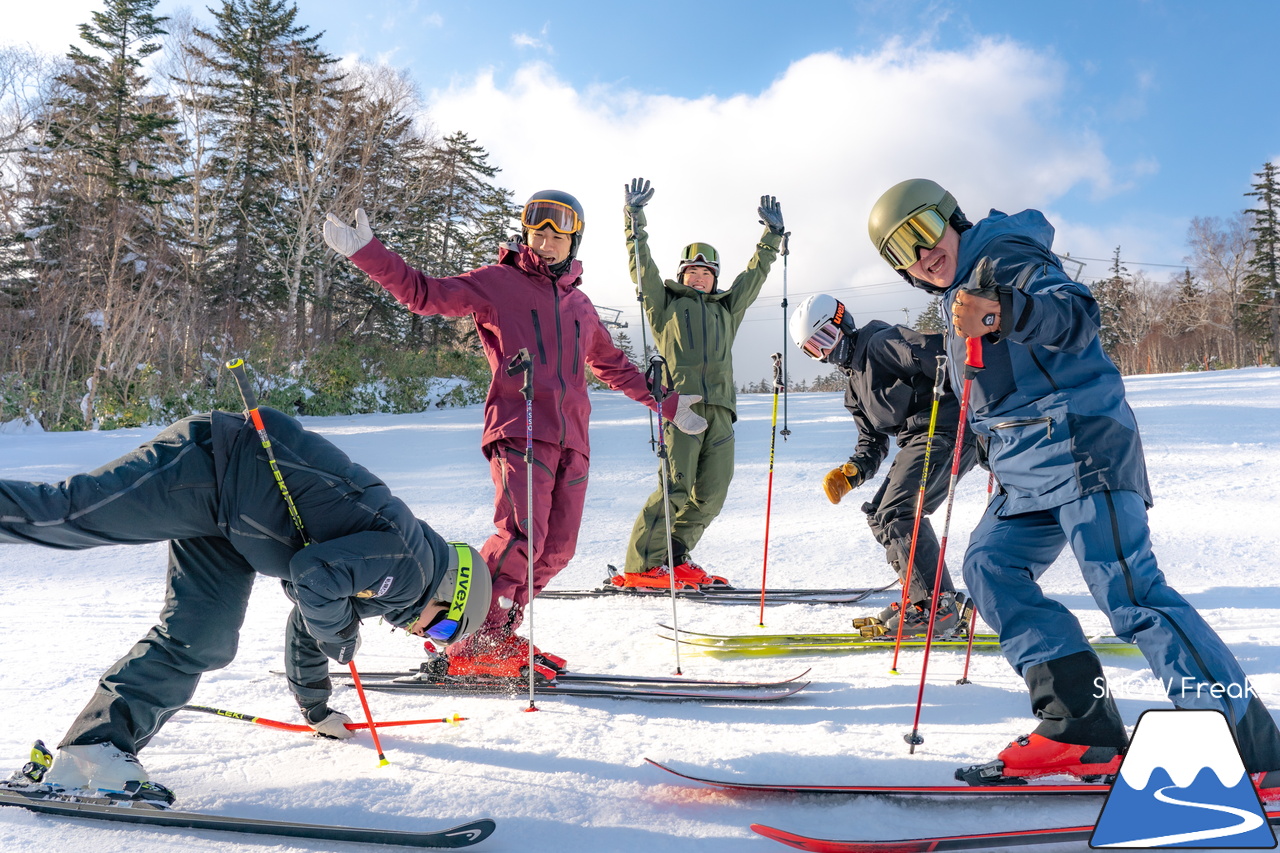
[(691, 572), (1033, 756), (504, 657), (656, 578), (1268, 784)]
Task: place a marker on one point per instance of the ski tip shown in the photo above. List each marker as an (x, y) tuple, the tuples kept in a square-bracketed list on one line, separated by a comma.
[(775, 834)]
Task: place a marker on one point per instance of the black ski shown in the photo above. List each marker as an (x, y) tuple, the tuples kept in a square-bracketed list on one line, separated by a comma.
[(616, 690), (424, 673), (150, 814), (727, 595)]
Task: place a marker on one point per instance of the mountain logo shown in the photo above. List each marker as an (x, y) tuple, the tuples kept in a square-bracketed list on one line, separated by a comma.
[(1183, 784)]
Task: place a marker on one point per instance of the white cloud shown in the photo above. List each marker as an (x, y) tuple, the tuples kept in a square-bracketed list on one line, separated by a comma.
[(538, 42), (992, 123)]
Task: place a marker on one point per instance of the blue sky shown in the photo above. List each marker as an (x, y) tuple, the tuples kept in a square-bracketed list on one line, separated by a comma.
[(1121, 120)]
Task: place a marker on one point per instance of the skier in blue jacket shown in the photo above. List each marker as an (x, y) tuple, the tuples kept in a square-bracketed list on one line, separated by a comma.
[(1064, 447)]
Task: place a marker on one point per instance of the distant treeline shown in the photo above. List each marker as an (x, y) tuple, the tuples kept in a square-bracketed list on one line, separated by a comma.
[(157, 222)]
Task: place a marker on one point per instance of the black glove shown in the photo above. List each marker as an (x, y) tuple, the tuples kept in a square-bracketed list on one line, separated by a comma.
[(638, 192), (982, 281), (771, 214), (345, 651)]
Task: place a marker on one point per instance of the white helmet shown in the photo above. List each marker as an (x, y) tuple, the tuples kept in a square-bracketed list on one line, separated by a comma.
[(818, 325)]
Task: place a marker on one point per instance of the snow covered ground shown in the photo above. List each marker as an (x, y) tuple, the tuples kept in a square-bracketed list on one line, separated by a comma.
[(573, 774)]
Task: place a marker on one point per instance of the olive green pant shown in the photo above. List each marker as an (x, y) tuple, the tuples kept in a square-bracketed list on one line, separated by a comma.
[(700, 470)]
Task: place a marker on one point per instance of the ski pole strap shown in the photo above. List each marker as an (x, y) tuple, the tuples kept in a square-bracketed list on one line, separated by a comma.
[(654, 376), (522, 363), (236, 366)]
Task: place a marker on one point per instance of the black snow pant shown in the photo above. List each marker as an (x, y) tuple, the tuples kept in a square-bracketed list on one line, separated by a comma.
[(892, 512), (166, 490)]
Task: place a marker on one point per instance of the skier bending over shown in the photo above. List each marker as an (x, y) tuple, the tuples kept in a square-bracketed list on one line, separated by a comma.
[(204, 485), (891, 371), (1064, 447), (694, 323), (529, 299)]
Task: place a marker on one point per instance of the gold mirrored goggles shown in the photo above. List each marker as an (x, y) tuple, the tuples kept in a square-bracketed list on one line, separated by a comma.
[(921, 230), (561, 217)]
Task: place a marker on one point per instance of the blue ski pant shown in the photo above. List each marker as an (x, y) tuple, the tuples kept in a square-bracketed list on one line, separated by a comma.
[(1109, 536)]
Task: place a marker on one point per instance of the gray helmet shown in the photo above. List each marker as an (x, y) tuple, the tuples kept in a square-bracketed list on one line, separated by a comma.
[(900, 202)]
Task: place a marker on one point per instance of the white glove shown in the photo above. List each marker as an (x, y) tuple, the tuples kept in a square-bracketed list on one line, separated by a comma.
[(344, 239), (687, 420), (334, 725)]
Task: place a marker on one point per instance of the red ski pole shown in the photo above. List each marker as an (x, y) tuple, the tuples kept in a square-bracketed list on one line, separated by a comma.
[(778, 385), (972, 364), (938, 379)]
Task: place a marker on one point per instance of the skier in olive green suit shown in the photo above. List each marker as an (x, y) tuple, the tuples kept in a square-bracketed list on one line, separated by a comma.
[(694, 322)]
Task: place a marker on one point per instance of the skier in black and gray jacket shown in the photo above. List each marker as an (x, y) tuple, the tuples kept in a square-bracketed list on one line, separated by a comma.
[(891, 372), (204, 485)]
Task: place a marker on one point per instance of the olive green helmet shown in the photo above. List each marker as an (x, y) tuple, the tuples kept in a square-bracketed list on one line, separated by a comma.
[(900, 202)]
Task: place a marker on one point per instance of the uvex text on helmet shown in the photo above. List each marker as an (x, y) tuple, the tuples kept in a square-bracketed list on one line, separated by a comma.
[(818, 324)]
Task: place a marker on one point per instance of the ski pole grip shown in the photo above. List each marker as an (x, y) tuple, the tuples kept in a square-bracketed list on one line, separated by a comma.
[(654, 376), (940, 377), (519, 362), (972, 355), (236, 366)]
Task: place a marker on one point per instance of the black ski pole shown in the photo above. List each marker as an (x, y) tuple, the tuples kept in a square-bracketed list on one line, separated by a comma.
[(786, 251), (659, 381), (972, 364), (644, 318), (236, 366), (522, 363)]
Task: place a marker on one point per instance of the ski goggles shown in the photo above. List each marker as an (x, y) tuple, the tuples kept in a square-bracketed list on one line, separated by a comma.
[(540, 212), (922, 230), (444, 627), (700, 255), (822, 340)]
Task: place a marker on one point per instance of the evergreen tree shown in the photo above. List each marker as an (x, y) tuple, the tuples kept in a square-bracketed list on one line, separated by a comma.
[(94, 204), (1112, 294), (1262, 284), (255, 50), (931, 319)]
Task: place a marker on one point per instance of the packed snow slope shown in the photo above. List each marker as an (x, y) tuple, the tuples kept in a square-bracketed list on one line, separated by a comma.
[(573, 775)]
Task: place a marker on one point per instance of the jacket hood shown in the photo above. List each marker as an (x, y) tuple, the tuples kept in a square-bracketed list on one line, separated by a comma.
[(1027, 226), (530, 263)]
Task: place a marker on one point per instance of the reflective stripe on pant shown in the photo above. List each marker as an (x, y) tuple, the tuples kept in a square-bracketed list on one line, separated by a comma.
[(559, 492), (1109, 536), (701, 471)]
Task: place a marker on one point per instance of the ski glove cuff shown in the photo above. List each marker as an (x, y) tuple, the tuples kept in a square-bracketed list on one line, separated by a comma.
[(344, 239), (327, 722), (686, 419), (840, 481), (345, 650)]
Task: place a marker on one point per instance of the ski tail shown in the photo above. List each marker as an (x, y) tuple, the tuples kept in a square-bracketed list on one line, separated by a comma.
[(985, 841)]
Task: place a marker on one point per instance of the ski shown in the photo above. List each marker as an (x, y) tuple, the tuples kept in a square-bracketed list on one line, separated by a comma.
[(614, 690), (777, 643), (944, 790), (425, 673), (727, 595), (976, 841), (151, 814)]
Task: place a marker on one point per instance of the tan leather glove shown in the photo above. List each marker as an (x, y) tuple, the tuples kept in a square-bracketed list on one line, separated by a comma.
[(840, 481)]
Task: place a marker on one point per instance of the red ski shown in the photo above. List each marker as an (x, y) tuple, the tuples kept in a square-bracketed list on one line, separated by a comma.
[(977, 841)]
